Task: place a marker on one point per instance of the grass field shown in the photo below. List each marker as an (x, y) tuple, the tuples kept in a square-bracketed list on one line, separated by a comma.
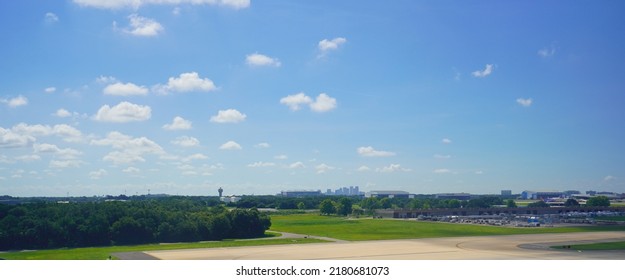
[(595, 246), (611, 218), (382, 229), (102, 253)]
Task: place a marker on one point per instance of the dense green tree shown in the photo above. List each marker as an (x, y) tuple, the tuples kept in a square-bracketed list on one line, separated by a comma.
[(598, 201), (510, 203), (344, 206), (327, 207), (571, 202)]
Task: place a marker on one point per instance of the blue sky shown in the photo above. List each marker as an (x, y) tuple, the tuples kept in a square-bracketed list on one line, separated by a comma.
[(184, 97)]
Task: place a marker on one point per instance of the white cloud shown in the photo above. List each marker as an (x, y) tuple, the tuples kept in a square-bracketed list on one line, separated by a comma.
[(15, 101), (11, 139), (257, 59), (261, 164), (60, 164), (106, 79), (129, 149), (363, 168), (323, 168), (296, 165), (281, 157), (524, 102), (118, 157), (62, 113), (437, 156), (186, 82), (294, 101), (371, 152), (28, 158), (547, 51), (228, 116), (142, 26), (479, 172), (392, 168), (123, 112), (326, 45), (186, 141), (49, 90), (135, 4), (96, 175), (178, 123), (127, 89), (131, 169), (51, 18), (230, 145), (67, 132), (66, 153), (609, 178), (446, 141), (193, 157), (263, 145), (442, 171), (487, 71), (323, 103)]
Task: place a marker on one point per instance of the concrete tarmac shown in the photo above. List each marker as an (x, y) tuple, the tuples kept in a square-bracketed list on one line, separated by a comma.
[(505, 247)]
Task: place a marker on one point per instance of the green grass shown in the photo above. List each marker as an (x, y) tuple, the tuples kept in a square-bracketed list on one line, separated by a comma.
[(595, 246), (611, 218), (102, 253), (382, 229)]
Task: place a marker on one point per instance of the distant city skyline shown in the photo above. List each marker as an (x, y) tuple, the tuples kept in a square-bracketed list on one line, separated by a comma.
[(183, 97)]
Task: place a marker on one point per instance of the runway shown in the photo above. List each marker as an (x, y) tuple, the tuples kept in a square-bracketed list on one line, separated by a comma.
[(505, 247)]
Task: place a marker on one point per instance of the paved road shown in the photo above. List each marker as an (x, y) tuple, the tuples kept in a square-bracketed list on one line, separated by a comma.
[(508, 247)]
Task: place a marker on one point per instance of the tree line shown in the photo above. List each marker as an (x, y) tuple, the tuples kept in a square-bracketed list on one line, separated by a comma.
[(54, 225)]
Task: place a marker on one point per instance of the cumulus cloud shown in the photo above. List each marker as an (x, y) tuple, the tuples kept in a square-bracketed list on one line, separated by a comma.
[(230, 145), (371, 152), (263, 145), (22, 135), (547, 51), (128, 149), (392, 168), (323, 168), (437, 156), (296, 165), (326, 45), (483, 73), (123, 112), (50, 18), (62, 113), (136, 4), (131, 169), (294, 101), (322, 103), (186, 82), (28, 158), (608, 178), (106, 79), (141, 26), (96, 175), (61, 164), (15, 101), (127, 89), (281, 157), (228, 116), (363, 168), (178, 123), (446, 141), (442, 171), (257, 59), (525, 102), (186, 141), (66, 153), (49, 90), (193, 157), (261, 164)]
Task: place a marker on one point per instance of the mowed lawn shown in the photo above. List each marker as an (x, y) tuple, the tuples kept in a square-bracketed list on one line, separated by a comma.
[(382, 229), (102, 253)]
